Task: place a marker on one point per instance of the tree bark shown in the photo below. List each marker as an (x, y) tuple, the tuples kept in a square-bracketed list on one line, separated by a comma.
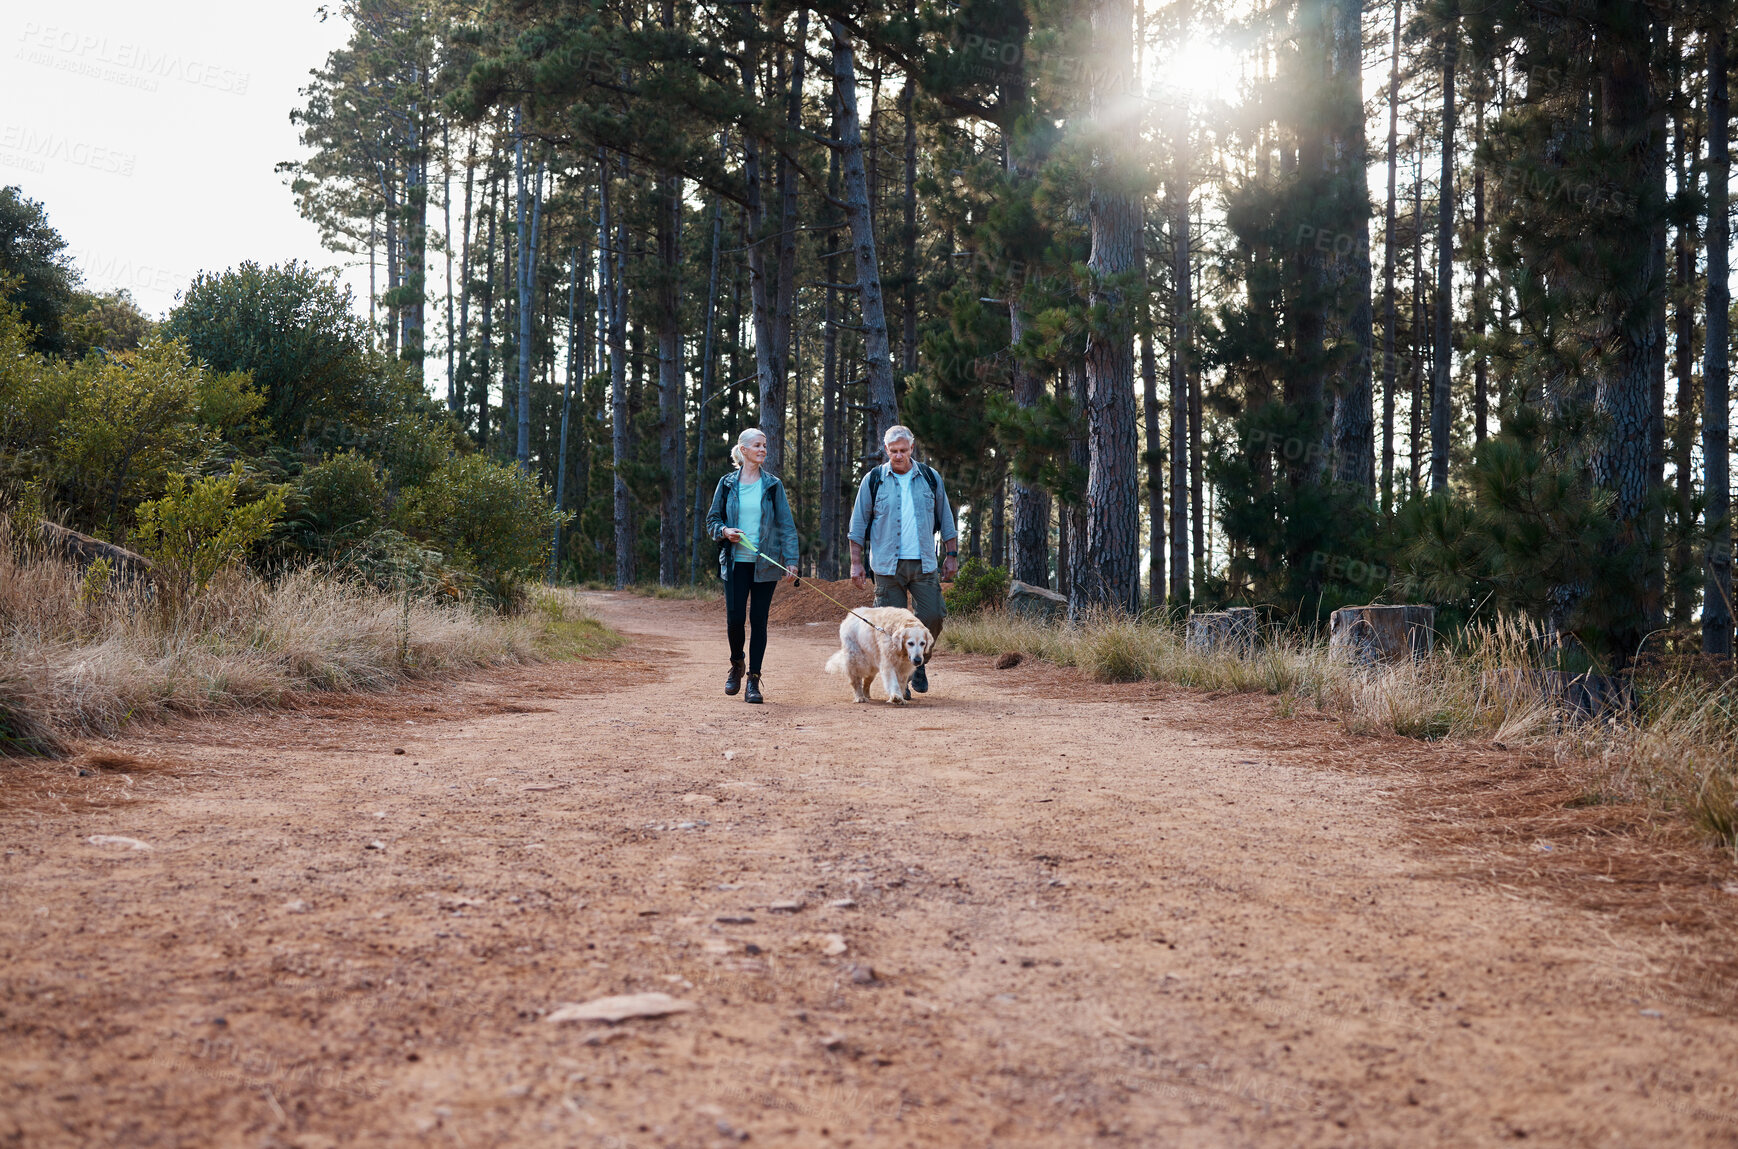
[(1182, 401), (612, 266), (762, 295), (1717, 609), (883, 404), (1480, 305), (704, 407), (832, 405), (566, 405), (1154, 456), (774, 401), (672, 438), (1441, 410), (1110, 578), (1688, 143), (1622, 460), (1390, 337), (908, 240), (486, 336), (1353, 433), (457, 403)]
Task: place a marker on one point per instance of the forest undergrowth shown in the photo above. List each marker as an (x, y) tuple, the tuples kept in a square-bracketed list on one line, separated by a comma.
[(82, 657), (1675, 748)]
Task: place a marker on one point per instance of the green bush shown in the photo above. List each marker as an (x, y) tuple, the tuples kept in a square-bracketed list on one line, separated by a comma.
[(341, 501), (196, 530), (978, 586), (493, 521)]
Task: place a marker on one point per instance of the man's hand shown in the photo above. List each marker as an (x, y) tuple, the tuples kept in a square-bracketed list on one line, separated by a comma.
[(857, 578), (950, 566)]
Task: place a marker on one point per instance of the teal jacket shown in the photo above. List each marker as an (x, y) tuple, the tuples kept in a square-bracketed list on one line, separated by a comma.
[(778, 530)]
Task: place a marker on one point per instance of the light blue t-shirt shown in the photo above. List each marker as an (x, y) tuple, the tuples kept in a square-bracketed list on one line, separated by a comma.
[(909, 547), (748, 500)]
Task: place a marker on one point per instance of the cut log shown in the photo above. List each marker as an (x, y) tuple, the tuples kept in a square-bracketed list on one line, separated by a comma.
[(1366, 634), (66, 543), (1578, 695), (1233, 630), (1038, 603)]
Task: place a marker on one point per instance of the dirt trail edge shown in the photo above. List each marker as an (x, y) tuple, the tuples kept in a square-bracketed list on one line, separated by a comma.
[(995, 917)]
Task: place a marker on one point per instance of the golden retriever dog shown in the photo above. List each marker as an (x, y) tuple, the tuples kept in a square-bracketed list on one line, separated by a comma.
[(893, 652)]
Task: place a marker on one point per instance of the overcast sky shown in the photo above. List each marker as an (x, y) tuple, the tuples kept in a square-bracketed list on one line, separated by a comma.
[(150, 131)]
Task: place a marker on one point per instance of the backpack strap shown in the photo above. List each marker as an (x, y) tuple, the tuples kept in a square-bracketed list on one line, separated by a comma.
[(929, 476)]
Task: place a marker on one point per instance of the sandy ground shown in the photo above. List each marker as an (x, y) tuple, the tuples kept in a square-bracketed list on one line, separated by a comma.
[(1028, 916)]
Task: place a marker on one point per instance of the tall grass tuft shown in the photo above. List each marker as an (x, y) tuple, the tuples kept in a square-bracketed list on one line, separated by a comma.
[(92, 656), (1677, 748)]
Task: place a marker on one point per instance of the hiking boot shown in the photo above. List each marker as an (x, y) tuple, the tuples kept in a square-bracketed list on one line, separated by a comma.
[(752, 694), (920, 681), (733, 680)]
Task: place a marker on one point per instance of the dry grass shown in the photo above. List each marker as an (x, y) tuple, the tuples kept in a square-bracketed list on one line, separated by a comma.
[(81, 658), (1677, 748)]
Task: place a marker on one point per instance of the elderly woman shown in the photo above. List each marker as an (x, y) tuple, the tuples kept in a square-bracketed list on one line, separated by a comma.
[(752, 516)]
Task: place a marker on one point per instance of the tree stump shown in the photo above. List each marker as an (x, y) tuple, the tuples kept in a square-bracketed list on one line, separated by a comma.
[(1233, 630), (1040, 604), (1367, 634)]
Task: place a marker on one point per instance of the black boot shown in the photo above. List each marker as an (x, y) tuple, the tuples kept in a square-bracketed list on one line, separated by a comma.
[(920, 681), (733, 680), (752, 694)]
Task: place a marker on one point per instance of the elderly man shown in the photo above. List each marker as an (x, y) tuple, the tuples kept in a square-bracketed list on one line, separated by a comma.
[(901, 508)]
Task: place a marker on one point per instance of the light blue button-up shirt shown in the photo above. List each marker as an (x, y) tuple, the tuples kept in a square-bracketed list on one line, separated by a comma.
[(881, 528)]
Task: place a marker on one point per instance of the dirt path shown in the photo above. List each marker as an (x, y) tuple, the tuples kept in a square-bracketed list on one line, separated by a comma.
[(1127, 921)]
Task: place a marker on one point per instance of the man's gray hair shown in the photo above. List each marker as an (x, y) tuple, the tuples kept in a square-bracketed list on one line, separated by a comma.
[(898, 431)]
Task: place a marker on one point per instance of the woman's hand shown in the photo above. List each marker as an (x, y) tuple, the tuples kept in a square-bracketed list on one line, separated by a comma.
[(731, 534), (789, 577)]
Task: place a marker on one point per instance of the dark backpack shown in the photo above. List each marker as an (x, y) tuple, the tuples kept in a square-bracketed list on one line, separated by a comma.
[(929, 476)]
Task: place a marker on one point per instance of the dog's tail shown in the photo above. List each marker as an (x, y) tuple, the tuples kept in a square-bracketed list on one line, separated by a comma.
[(836, 664)]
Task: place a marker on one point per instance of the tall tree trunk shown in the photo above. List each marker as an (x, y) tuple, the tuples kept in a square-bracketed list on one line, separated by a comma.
[(832, 403), (1415, 456), (613, 266), (1441, 410), (390, 300), (1390, 338), (1354, 440), (883, 405), (1717, 604), (1688, 143), (527, 245), (413, 286), (1110, 577), (1154, 457), (705, 388), (672, 440), (1622, 461), (566, 404), (999, 526), (466, 239), (762, 294), (486, 336), (908, 240), (447, 245), (1182, 403), (774, 402), (1480, 305), (1080, 456)]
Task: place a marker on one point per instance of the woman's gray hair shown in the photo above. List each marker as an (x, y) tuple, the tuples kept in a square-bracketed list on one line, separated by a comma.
[(898, 431), (742, 441)]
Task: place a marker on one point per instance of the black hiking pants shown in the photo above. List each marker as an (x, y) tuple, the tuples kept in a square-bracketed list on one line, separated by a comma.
[(746, 602)]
